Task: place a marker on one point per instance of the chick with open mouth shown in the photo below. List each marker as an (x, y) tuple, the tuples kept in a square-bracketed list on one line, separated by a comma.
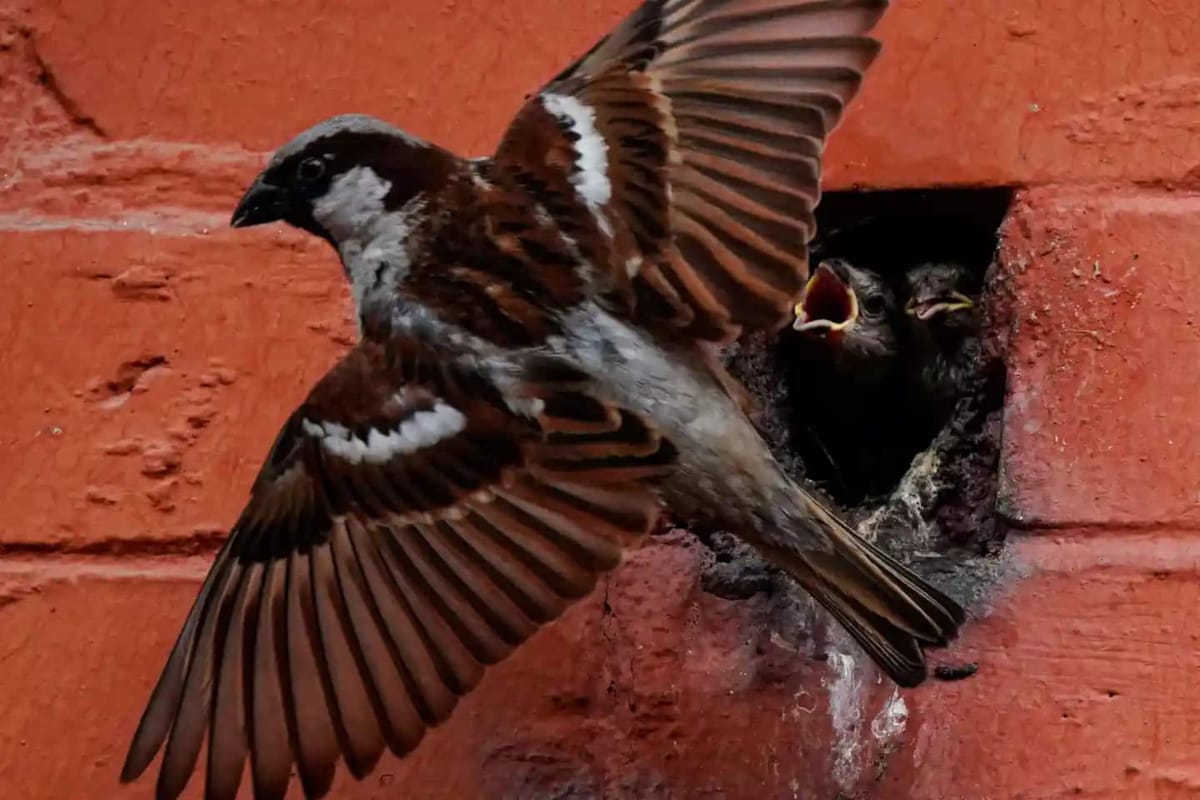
[(855, 311), (828, 306), (851, 375)]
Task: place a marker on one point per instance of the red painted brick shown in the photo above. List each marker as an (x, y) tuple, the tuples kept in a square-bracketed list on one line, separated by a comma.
[(1103, 421), (451, 71), (988, 92), (115, 255), (147, 184), (134, 418), (647, 689), (1024, 91), (1085, 685), (1083, 690)]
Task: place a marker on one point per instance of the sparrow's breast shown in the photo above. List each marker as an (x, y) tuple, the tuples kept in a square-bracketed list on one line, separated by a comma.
[(727, 474)]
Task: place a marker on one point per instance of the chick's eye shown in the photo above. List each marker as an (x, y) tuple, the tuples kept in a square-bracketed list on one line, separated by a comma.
[(310, 169), (872, 305)]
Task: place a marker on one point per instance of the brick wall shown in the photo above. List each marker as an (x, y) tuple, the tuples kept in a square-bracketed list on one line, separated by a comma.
[(150, 352)]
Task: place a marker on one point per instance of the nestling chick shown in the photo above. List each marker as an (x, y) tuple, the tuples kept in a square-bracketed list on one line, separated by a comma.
[(943, 325), (852, 375), (853, 313), (530, 387), (937, 294)]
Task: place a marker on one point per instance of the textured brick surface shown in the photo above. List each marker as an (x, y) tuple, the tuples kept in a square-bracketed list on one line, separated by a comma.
[(154, 372), (1087, 690), (139, 69), (1028, 91), (149, 354), (647, 689), (1103, 421), (1084, 691), (983, 92)]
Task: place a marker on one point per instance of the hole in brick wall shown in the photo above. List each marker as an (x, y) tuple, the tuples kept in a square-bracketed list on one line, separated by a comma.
[(858, 420), (910, 452)]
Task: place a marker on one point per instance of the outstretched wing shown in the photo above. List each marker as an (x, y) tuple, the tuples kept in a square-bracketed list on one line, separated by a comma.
[(417, 518), (683, 153)]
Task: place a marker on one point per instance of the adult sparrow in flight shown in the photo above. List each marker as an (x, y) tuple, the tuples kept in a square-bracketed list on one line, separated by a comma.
[(535, 371)]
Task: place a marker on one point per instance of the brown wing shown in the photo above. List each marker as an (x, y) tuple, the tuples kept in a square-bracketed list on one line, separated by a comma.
[(415, 521), (692, 137)]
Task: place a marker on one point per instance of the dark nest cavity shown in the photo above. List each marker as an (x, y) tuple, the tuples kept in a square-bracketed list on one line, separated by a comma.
[(921, 482)]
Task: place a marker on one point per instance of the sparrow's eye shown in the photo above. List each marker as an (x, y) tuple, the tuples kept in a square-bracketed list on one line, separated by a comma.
[(872, 305), (310, 169)]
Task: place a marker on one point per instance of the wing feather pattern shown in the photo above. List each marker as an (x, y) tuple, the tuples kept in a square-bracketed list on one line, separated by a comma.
[(693, 133), (408, 529)]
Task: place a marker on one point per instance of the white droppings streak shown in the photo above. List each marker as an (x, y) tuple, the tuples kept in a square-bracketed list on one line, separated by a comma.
[(422, 429), (591, 180), (892, 719), (845, 712)]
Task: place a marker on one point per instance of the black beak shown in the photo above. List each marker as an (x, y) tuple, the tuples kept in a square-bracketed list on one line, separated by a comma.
[(262, 203)]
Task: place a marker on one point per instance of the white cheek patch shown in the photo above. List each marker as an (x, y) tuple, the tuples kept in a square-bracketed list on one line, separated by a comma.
[(591, 179), (391, 231), (353, 201), (423, 429), (369, 237)]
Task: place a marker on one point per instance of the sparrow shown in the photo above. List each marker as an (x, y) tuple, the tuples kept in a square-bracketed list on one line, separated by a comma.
[(534, 379), (852, 314), (852, 377), (943, 325)]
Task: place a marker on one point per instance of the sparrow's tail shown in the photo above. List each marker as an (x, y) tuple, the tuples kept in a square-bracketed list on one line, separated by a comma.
[(891, 612)]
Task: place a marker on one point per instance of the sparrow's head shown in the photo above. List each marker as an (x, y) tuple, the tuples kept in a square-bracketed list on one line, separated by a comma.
[(853, 308), (937, 296), (340, 175)]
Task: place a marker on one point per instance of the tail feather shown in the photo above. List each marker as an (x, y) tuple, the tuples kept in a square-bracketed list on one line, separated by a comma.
[(890, 611)]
